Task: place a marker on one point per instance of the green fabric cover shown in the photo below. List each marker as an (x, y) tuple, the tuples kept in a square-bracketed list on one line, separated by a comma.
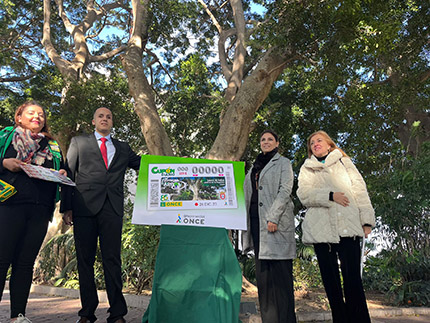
[(197, 277)]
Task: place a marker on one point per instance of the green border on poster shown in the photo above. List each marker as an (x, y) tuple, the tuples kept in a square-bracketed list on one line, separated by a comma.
[(228, 218)]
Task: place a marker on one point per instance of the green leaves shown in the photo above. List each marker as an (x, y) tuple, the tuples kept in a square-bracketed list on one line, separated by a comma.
[(192, 109), (400, 196)]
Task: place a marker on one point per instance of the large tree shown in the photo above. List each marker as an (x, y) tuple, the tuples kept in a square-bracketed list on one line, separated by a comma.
[(361, 48), (248, 81)]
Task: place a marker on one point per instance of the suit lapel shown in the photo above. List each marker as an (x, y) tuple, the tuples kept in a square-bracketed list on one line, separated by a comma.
[(117, 151), (94, 146)]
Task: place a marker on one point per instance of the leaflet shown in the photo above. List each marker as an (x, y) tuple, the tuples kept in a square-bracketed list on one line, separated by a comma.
[(46, 174)]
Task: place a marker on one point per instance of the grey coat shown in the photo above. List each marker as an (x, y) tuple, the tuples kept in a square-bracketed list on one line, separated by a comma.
[(275, 205)]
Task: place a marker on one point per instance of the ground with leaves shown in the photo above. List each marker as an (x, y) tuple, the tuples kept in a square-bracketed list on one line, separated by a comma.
[(315, 300)]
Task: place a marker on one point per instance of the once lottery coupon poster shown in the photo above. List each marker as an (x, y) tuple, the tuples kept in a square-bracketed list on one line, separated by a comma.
[(187, 191)]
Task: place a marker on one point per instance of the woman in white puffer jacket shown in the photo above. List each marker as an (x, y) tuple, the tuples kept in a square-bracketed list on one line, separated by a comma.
[(339, 213)]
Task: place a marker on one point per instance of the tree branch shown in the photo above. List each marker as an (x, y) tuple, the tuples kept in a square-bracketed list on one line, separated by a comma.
[(66, 21), (156, 137), (226, 68), (210, 14), (98, 32), (93, 14), (108, 55), (308, 59), (281, 66), (248, 68), (157, 60), (425, 76), (62, 64), (17, 78)]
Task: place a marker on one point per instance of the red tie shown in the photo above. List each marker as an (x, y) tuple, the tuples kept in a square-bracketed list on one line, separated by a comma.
[(103, 150)]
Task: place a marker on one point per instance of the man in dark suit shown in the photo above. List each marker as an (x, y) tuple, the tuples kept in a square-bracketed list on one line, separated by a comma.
[(98, 164)]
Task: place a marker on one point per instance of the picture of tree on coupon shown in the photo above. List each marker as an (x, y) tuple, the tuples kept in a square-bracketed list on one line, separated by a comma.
[(202, 186), (188, 191)]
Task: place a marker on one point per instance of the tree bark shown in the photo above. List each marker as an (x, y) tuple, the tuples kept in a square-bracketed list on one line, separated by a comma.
[(63, 65), (232, 137), (235, 81), (155, 135)]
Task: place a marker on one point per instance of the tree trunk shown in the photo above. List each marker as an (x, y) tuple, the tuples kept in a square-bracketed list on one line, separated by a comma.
[(153, 130), (232, 137), (155, 135), (235, 82)]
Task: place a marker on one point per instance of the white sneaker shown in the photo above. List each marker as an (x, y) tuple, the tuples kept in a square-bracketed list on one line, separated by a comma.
[(22, 319)]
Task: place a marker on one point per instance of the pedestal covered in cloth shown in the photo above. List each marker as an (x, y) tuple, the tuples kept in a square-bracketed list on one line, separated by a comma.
[(197, 277)]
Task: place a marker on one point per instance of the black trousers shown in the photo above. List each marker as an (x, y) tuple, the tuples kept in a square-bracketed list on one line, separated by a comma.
[(353, 308), (22, 230), (274, 283), (106, 226)]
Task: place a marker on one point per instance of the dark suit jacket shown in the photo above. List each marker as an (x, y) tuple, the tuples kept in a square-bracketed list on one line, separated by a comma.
[(93, 181)]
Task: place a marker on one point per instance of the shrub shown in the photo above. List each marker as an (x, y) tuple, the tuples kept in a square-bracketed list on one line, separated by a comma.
[(139, 252), (58, 264), (400, 196)]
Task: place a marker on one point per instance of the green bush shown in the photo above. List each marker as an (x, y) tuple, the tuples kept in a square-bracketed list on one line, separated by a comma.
[(247, 263), (401, 199), (57, 261), (306, 274), (58, 264), (404, 278), (139, 252), (377, 275)]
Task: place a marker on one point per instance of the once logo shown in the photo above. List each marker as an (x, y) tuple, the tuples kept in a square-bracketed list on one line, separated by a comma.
[(170, 204), (194, 221)]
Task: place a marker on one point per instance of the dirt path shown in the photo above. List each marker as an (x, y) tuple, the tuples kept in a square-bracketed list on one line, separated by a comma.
[(316, 300)]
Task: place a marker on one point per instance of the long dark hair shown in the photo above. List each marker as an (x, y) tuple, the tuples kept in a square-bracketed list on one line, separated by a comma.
[(20, 110)]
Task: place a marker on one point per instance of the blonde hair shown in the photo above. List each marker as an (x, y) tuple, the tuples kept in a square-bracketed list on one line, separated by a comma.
[(327, 138)]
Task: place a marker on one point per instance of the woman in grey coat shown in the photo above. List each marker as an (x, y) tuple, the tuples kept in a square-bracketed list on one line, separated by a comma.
[(271, 230)]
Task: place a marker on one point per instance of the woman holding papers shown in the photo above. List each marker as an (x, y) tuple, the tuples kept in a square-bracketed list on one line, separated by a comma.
[(339, 212), (24, 216), (271, 230)]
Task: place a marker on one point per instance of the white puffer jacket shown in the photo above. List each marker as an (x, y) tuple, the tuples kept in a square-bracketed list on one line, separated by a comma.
[(326, 221)]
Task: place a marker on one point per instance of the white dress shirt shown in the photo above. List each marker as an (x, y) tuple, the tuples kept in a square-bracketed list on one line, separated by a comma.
[(109, 146)]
